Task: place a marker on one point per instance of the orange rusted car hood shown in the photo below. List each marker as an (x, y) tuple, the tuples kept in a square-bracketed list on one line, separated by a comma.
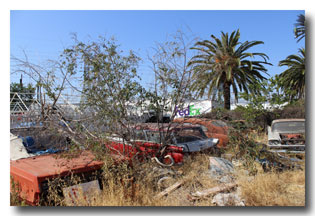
[(51, 165), (28, 173)]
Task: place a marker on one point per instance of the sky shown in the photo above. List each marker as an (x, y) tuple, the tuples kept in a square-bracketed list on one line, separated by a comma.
[(43, 34)]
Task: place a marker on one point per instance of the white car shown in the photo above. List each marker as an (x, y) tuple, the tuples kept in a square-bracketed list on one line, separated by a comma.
[(287, 135)]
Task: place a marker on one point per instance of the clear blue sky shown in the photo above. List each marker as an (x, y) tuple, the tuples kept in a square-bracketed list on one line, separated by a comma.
[(44, 34)]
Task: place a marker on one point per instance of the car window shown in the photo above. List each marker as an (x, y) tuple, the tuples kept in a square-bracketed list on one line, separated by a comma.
[(204, 128), (219, 123), (139, 135), (189, 135), (154, 136), (298, 126)]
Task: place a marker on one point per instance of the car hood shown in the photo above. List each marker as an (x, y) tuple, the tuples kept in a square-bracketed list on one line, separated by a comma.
[(199, 145)]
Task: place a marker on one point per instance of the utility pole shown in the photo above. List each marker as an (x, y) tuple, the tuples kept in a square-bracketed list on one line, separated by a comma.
[(21, 82)]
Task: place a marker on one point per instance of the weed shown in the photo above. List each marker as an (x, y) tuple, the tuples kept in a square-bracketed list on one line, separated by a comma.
[(274, 189), (15, 199)]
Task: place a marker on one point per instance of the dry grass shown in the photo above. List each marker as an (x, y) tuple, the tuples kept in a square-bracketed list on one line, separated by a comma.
[(259, 137), (274, 189), (123, 186)]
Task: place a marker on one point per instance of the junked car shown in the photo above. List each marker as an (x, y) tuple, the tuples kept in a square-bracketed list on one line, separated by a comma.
[(30, 176), (212, 128), (148, 139), (287, 135)]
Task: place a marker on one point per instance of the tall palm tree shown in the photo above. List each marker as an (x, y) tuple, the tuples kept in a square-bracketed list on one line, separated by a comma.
[(222, 64), (292, 80), (299, 30)]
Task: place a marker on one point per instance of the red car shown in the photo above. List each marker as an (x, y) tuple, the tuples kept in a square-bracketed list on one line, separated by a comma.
[(148, 138)]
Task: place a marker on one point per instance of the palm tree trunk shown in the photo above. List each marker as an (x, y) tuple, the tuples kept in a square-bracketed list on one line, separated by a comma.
[(227, 96)]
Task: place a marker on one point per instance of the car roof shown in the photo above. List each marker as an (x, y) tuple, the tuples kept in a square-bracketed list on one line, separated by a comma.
[(202, 121), (193, 119), (164, 126), (287, 120)]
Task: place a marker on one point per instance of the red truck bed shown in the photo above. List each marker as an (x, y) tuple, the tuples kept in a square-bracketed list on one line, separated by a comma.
[(29, 173)]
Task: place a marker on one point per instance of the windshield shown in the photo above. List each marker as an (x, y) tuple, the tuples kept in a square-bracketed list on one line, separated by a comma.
[(292, 126), (189, 135), (181, 135), (155, 136)]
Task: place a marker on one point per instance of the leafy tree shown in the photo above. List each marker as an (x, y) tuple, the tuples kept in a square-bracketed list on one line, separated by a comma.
[(299, 30), (258, 110), (256, 102), (276, 96), (111, 93), (292, 80), (225, 63)]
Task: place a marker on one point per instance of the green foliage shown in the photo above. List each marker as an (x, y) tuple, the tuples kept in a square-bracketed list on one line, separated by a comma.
[(110, 82), (276, 96), (244, 148), (256, 101), (255, 112), (220, 113), (299, 30), (225, 63), (292, 80)]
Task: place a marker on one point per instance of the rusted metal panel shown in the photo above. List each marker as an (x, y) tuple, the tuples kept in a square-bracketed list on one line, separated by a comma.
[(30, 172)]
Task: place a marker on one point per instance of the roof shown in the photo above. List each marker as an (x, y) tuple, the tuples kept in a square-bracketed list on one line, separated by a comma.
[(286, 120), (163, 127), (51, 165)]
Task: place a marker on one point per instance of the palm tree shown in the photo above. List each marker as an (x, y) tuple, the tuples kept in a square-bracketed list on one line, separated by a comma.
[(225, 63), (292, 80), (299, 30)]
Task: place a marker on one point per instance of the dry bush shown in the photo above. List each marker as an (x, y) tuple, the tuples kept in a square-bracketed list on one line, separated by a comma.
[(137, 186), (274, 189), (44, 137), (15, 200), (196, 171), (259, 137), (196, 177), (124, 185)]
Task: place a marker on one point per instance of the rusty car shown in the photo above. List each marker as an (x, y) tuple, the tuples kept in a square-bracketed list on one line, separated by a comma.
[(30, 176), (166, 143), (212, 128), (287, 135)]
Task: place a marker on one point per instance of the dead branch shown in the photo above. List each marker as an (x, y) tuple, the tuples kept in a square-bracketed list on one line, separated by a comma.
[(170, 189), (212, 191)]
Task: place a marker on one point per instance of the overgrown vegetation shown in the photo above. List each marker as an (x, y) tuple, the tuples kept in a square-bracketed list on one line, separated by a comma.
[(274, 189), (249, 117), (113, 101), (137, 186)]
